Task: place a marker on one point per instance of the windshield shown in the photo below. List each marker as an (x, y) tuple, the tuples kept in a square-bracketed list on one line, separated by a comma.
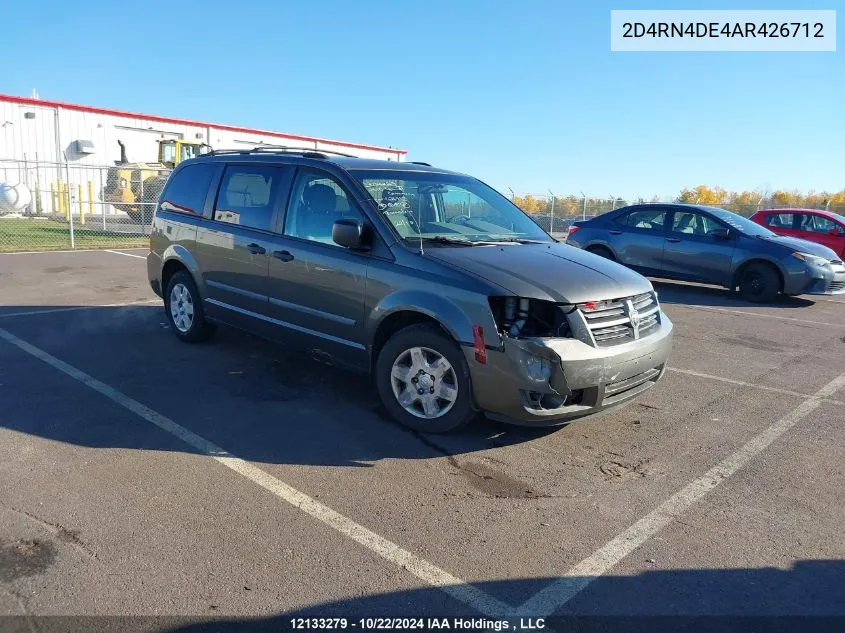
[(740, 223), (446, 207), (192, 151)]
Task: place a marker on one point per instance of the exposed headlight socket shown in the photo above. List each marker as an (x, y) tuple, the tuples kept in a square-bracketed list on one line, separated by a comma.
[(538, 369)]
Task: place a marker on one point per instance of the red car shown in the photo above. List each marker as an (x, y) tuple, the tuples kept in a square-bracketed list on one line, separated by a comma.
[(814, 225)]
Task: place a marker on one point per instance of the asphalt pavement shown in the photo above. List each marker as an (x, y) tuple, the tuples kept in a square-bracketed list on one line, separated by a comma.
[(145, 477)]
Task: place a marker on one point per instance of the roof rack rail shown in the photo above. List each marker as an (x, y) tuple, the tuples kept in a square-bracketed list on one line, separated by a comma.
[(282, 149), (419, 162)]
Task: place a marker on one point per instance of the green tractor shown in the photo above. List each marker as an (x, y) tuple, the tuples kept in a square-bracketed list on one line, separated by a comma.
[(134, 188)]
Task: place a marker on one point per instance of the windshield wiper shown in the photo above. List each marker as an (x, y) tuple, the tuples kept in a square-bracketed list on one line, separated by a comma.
[(443, 239), (508, 238)]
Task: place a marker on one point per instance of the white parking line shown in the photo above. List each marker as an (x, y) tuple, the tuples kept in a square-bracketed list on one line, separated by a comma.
[(740, 383), (817, 298), (756, 314), (75, 308), (548, 600), (76, 250), (126, 254), (388, 550)]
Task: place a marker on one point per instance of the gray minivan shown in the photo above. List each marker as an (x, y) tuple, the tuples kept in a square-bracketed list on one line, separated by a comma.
[(452, 298)]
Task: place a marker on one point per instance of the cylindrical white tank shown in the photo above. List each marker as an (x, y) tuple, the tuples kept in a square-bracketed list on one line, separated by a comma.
[(14, 198)]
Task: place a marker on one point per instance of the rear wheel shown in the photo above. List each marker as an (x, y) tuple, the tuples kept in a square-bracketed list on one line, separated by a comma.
[(183, 307), (603, 251), (759, 283), (423, 380)]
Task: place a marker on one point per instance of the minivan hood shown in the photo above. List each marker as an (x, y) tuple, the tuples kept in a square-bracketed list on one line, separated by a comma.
[(804, 246), (553, 272)]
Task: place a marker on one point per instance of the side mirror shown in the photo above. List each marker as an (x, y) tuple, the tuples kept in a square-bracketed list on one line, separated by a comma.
[(721, 233), (350, 234), (836, 231)]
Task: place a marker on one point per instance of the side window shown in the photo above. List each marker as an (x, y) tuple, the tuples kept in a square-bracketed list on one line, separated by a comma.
[(317, 201), (694, 223), (168, 152), (187, 190), (816, 223), (649, 219), (779, 220), (246, 196)]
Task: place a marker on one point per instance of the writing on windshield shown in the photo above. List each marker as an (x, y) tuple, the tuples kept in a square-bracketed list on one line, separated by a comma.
[(447, 208)]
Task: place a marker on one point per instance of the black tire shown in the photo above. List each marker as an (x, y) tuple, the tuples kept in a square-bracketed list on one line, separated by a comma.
[(602, 251), (428, 336), (200, 329), (759, 283)]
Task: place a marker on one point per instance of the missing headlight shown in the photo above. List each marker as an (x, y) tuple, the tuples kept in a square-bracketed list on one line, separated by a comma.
[(518, 317)]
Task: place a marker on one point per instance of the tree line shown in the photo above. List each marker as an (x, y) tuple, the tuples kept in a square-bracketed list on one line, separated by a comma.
[(742, 202)]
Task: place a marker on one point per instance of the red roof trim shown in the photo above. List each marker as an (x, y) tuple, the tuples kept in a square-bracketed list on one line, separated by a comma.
[(217, 126)]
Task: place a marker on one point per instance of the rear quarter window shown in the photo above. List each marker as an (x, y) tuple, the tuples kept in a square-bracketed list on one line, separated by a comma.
[(648, 219), (187, 189)]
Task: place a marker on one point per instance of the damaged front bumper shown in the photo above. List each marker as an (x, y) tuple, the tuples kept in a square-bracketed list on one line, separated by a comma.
[(550, 381)]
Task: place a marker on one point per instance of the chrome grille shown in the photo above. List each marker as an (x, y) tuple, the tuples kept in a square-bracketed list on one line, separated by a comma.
[(610, 322), (836, 286)]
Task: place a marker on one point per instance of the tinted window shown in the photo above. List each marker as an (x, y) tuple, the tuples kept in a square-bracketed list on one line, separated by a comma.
[(317, 201), (816, 223), (779, 220), (186, 191), (693, 223), (651, 219), (246, 196)]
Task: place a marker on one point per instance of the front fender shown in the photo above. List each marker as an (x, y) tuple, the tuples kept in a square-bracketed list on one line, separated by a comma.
[(442, 309), (792, 277)]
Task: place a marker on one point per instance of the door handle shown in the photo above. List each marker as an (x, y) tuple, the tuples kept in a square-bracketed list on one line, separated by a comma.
[(285, 256), (674, 240), (615, 232), (256, 249)]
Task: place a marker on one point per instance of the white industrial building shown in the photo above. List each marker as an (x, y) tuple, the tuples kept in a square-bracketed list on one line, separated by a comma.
[(46, 144), (35, 129)]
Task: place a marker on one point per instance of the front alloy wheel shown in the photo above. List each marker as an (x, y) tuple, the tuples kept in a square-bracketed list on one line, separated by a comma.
[(423, 379), (424, 383)]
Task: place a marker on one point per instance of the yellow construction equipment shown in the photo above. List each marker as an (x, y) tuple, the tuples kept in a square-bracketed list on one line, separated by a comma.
[(134, 188)]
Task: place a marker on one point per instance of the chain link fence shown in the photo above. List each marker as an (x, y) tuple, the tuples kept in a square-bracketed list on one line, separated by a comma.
[(58, 206)]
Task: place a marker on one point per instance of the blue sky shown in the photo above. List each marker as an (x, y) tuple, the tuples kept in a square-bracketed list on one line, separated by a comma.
[(523, 94)]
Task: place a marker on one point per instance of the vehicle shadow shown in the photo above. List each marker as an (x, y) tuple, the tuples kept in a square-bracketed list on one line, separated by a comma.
[(253, 398), (678, 292), (807, 597)]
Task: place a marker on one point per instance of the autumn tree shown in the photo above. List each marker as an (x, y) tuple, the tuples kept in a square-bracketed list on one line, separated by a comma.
[(785, 199), (702, 194)]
